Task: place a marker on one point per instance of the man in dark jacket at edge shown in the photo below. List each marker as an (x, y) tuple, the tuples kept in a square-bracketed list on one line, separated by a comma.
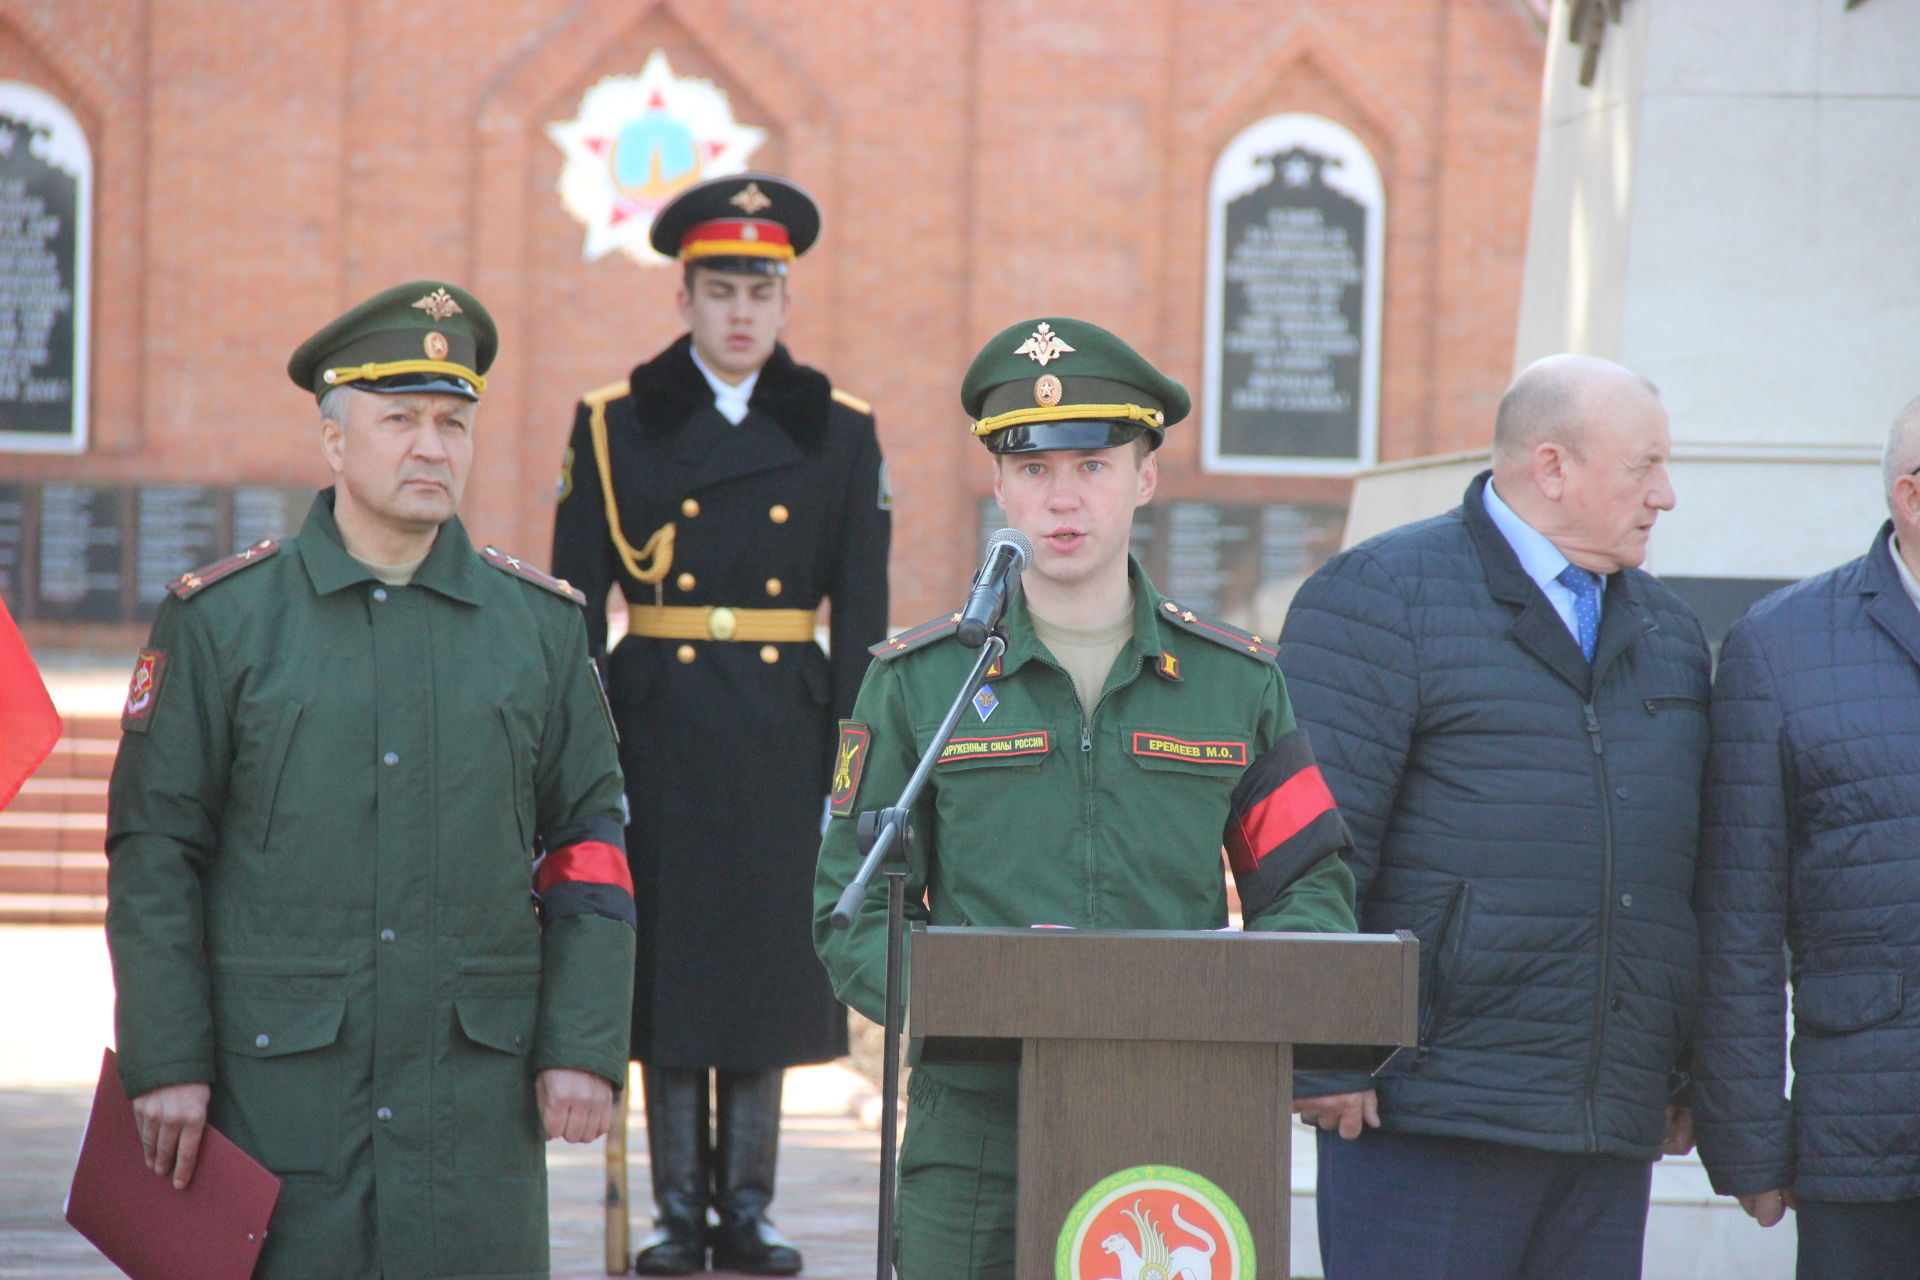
[(1811, 845), (1513, 717), (727, 490)]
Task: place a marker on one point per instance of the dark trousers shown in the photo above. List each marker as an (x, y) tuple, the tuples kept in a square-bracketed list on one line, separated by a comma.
[(1859, 1240), (1398, 1206)]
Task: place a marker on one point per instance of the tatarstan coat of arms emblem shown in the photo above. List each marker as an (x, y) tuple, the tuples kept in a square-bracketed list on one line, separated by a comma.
[(1154, 1222), (635, 143)]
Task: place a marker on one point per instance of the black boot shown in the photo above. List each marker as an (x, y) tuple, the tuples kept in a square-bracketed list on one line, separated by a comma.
[(746, 1142), (677, 1146)]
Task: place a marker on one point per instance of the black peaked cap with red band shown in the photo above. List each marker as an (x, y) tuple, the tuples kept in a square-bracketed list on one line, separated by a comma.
[(748, 222)]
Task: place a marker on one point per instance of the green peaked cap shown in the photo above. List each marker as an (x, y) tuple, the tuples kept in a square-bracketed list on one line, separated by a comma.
[(425, 336), (1060, 383)]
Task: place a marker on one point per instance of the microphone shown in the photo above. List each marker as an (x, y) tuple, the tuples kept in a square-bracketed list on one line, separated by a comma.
[(1008, 555)]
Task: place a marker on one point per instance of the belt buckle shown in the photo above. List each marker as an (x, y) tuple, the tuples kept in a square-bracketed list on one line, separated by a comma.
[(722, 623)]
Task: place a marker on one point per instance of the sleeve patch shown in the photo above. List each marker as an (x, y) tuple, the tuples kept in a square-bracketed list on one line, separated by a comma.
[(849, 762), (143, 692), (886, 490), (565, 487)]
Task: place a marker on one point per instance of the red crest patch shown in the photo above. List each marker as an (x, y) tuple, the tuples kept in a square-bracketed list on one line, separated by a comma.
[(849, 761), (143, 692)]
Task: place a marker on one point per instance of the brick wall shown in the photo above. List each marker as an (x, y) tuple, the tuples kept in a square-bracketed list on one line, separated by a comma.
[(261, 166)]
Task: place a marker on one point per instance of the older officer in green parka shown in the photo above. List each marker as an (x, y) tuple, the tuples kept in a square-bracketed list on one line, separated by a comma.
[(367, 902)]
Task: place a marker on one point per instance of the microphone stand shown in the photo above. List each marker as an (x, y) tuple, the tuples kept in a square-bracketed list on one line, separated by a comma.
[(887, 837)]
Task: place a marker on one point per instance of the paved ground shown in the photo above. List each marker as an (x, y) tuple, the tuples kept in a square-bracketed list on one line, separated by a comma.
[(56, 1015)]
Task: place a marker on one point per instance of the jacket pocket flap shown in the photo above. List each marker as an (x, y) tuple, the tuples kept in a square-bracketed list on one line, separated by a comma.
[(503, 1023), (1848, 1000), (263, 1027)]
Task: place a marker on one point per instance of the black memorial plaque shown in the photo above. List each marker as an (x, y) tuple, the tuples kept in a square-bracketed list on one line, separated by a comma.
[(82, 569), (176, 528), (13, 547), (1293, 335), (39, 310), (267, 511)]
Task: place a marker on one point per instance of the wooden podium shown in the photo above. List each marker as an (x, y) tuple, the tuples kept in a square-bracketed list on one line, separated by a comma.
[(1159, 1049)]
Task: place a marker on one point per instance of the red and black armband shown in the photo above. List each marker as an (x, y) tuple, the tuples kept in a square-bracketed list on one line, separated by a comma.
[(582, 871), (1281, 822)]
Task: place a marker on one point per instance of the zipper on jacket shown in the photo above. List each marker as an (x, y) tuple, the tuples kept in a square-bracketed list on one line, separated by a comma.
[(1605, 947)]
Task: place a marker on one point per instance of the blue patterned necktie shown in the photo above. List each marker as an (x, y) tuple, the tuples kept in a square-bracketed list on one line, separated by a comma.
[(1585, 585)]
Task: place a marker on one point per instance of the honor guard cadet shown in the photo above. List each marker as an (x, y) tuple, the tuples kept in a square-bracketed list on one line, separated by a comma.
[(367, 905), (727, 491), (1117, 745)]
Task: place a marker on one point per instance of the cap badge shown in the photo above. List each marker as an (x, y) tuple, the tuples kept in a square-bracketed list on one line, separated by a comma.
[(751, 199), (439, 304), (1043, 345), (749, 232), (1046, 391), (436, 345)]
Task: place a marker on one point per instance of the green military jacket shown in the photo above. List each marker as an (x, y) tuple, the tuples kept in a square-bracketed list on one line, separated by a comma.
[(1035, 815), (321, 892)]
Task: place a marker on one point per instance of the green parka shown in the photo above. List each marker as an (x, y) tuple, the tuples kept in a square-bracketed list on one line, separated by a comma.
[(322, 830)]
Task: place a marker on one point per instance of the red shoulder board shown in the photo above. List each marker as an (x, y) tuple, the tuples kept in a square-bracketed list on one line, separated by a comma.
[(188, 585), (530, 573), (916, 637), (1221, 633)]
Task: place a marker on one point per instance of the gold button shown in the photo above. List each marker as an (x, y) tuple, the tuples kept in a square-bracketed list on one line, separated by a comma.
[(773, 586), (769, 653), (777, 513), (684, 582), (684, 653), (690, 508)]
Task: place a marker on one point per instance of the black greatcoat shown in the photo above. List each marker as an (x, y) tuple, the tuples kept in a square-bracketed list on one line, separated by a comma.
[(727, 755)]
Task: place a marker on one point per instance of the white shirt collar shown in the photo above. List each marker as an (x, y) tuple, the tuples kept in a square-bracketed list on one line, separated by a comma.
[(731, 401)]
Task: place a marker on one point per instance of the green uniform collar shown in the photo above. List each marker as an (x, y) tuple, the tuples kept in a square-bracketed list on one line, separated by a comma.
[(448, 569), (1022, 644)]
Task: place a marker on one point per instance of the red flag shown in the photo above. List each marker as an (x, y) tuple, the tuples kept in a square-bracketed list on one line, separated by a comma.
[(29, 726)]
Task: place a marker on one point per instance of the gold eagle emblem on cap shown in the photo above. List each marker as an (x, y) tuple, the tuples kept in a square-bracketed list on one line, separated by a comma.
[(1043, 345), (750, 199), (439, 304)]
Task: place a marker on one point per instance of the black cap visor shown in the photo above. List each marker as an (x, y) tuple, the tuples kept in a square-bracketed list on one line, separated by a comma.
[(419, 384), (1034, 437)]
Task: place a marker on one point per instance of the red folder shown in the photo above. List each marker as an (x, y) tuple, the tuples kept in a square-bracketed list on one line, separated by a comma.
[(211, 1231)]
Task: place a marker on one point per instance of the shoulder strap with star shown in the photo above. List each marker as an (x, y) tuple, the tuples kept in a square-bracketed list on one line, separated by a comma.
[(519, 568), (916, 637), (192, 583), (1224, 634)]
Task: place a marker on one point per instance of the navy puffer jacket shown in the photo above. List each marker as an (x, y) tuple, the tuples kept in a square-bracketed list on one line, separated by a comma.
[(1531, 816), (1812, 840)]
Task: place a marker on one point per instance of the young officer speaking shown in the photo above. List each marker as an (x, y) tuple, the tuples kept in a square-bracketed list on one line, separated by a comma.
[(1118, 743)]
